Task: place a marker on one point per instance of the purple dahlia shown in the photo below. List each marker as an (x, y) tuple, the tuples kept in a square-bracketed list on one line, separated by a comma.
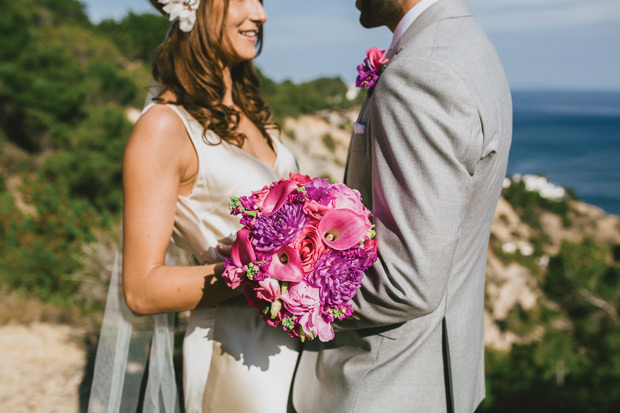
[(338, 277), (272, 232)]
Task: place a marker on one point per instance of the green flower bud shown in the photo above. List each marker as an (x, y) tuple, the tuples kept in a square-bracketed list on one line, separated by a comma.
[(276, 306)]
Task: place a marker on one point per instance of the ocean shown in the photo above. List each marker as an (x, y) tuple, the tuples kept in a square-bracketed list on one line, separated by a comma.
[(572, 138)]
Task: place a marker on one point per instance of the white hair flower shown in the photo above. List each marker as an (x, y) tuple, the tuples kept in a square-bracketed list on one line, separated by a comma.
[(184, 10)]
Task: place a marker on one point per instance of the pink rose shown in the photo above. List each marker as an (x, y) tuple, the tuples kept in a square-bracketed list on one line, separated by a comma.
[(376, 58), (371, 245), (309, 246), (268, 290), (315, 210), (233, 276), (259, 196), (300, 179), (347, 198)]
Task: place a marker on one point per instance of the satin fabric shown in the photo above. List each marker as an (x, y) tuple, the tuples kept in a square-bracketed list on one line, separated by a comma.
[(232, 360)]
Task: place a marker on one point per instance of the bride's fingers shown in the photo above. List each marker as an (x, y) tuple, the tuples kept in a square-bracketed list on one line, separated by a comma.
[(224, 249)]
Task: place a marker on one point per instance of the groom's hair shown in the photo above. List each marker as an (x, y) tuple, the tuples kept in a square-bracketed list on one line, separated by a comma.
[(189, 64)]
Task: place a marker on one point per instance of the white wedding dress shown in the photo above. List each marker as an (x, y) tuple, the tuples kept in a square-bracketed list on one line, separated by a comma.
[(232, 360)]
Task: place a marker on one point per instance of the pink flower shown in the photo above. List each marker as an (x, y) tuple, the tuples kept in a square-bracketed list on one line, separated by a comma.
[(371, 244), (301, 297), (315, 211), (341, 229), (302, 300), (376, 59), (369, 71), (277, 197), (274, 322), (268, 290), (309, 246), (242, 252), (286, 265), (259, 196), (348, 198), (233, 276), (250, 295), (300, 179)]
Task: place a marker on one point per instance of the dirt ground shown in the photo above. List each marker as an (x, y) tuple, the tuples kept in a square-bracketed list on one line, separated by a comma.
[(41, 368)]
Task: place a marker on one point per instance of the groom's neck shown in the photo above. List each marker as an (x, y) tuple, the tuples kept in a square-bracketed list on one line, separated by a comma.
[(403, 6)]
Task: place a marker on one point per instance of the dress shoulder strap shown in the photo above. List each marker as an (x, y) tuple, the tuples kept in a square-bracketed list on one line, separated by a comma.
[(194, 129)]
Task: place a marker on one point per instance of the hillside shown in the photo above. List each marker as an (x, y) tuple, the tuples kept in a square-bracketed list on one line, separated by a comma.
[(69, 93)]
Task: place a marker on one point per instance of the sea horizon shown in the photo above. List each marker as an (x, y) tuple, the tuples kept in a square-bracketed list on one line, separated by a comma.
[(573, 138)]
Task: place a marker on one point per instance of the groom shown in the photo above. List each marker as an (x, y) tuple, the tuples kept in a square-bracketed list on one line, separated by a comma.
[(428, 154)]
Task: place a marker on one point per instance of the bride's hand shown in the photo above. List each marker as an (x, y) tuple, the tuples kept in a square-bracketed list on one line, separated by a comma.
[(224, 249)]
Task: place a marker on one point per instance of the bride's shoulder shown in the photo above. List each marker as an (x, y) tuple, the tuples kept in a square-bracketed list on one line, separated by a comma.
[(160, 132), (159, 118)]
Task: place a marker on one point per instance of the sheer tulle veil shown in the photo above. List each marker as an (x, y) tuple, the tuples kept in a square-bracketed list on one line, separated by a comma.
[(134, 367)]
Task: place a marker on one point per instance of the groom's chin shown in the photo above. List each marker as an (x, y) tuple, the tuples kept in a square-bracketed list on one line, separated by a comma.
[(367, 21)]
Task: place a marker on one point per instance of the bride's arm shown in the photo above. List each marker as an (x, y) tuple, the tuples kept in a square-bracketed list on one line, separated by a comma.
[(158, 160)]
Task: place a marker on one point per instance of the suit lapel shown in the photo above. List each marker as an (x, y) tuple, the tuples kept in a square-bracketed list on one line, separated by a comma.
[(362, 118), (443, 9)]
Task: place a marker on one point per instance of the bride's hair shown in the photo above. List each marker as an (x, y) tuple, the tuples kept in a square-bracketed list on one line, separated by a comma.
[(189, 64)]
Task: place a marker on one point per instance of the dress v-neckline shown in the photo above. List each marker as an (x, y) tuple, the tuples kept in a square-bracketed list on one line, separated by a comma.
[(276, 151)]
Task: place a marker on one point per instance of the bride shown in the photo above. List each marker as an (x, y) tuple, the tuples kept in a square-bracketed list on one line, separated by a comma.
[(205, 137)]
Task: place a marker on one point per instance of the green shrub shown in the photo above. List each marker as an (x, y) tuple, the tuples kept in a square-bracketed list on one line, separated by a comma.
[(41, 254)]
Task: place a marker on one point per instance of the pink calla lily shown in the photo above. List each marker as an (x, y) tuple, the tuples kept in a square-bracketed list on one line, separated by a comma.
[(341, 229), (286, 265), (242, 252), (277, 197)]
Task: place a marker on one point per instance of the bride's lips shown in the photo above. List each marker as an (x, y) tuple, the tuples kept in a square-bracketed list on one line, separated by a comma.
[(249, 35)]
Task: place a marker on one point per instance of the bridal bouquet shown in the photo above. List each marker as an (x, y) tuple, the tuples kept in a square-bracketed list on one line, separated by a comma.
[(301, 254)]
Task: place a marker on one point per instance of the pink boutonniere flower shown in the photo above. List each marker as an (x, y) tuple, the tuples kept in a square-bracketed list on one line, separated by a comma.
[(369, 71)]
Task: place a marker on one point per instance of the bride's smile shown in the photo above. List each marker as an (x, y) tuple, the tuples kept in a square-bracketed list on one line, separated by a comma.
[(244, 20)]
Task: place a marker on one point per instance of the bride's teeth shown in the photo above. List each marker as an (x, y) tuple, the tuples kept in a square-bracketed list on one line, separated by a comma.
[(248, 33)]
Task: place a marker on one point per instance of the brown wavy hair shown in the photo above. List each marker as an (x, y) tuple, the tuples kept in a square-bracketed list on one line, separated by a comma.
[(190, 65)]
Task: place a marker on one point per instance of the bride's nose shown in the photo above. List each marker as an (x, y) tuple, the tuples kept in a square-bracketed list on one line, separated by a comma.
[(257, 12)]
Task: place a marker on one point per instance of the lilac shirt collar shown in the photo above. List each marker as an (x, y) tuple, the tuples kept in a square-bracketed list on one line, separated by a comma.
[(409, 18)]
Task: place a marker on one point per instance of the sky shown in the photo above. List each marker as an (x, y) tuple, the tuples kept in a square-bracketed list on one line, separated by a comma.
[(543, 44)]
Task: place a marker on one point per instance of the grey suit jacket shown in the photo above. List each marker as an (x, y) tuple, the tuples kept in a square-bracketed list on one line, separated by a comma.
[(430, 167)]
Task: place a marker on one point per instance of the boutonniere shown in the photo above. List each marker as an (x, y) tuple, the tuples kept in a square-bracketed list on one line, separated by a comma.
[(369, 71)]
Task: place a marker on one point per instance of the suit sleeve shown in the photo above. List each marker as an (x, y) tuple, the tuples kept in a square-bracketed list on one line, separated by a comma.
[(425, 130)]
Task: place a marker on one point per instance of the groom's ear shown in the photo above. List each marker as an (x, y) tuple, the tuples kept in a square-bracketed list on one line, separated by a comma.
[(159, 7)]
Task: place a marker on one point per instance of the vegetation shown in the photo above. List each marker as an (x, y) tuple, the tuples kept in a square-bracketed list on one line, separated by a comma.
[(65, 86), (290, 99), (575, 365), (530, 204)]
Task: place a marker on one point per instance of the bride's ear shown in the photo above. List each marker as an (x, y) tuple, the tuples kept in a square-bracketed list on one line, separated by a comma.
[(159, 7)]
